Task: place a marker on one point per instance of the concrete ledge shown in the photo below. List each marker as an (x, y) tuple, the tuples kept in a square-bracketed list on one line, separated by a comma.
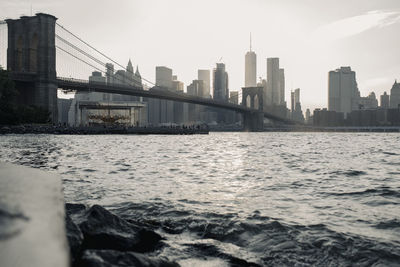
[(32, 227)]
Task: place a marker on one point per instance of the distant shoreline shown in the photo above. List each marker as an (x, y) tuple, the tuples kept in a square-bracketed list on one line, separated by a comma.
[(50, 129), (176, 130)]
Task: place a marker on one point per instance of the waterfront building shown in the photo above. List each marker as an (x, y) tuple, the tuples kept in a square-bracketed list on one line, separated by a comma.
[(343, 93), (112, 108), (204, 75), (385, 100), (327, 118), (395, 95)]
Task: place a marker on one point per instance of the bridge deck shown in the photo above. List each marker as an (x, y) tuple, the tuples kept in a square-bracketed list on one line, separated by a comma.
[(160, 93)]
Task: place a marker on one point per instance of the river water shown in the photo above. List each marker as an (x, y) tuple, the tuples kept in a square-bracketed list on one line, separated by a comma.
[(238, 198)]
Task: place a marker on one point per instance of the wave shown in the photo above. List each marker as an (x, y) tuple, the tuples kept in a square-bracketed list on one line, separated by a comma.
[(257, 240), (383, 191)]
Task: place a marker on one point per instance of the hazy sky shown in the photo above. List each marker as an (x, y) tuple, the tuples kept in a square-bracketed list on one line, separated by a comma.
[(311, 37)]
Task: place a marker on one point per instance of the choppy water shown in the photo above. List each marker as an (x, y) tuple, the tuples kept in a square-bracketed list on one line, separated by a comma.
[(239, 198)]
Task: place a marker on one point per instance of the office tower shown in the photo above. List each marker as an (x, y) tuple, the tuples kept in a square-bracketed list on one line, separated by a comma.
[(221, 90), (385, 100), (164, 77), (282, 87), (343, 94), (164, 107), (273, 81), (395, 95), (297, 113), (295, 98), (250, 68), (204, 75)]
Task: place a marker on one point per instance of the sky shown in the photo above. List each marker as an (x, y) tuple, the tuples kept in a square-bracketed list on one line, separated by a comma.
[(311, 37)]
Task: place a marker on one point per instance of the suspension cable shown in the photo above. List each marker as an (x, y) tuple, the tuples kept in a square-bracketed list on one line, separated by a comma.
[(80, 39)]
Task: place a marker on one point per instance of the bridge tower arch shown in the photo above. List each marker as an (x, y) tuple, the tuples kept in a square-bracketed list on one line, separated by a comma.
[(252, 97), (31, 53)]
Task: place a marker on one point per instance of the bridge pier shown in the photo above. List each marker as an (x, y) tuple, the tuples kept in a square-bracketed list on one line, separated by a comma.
[(253, 121)]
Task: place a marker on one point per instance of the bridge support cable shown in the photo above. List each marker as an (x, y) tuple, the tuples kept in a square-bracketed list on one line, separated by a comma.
[(97, 51), (90, 60)]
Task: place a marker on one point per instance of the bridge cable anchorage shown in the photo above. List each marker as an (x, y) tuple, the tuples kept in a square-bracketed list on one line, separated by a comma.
[(89, 56), (109, 58)]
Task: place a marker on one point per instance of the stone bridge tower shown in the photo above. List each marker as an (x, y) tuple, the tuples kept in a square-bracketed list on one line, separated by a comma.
[(32, 54), (252, 97)]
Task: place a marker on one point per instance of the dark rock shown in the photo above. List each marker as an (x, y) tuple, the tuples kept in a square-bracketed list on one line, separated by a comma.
[(112, 258), (103, 230), (75, 238)]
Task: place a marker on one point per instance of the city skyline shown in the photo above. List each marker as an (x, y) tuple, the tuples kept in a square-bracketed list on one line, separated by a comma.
[(362, 37)]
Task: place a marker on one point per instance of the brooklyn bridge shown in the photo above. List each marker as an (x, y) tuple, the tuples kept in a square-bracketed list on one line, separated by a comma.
[(34, 44)]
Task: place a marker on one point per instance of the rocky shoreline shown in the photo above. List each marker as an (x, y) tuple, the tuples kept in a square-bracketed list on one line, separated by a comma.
[(57, 129), (99, 238)]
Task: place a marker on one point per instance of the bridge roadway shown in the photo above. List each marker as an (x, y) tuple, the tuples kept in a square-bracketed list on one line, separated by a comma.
[(69, 84)]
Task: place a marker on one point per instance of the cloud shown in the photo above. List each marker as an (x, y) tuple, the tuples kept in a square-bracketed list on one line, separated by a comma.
[(355, 25)]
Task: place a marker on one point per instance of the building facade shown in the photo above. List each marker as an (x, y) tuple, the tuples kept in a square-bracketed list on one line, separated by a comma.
[(221, 83), (385, 100), (368, 102), (204, 75), (250, 69), (395, 95), (273, 81), (343, 93)]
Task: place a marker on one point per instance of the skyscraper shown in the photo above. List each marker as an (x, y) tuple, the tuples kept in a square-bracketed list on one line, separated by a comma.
[(385, 100), (164, 77), (343, 94), (281, 87), (166, 107), (273, 81), (204, 75), (221, 90), (297, 113), (250, 69), (395, 95)]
